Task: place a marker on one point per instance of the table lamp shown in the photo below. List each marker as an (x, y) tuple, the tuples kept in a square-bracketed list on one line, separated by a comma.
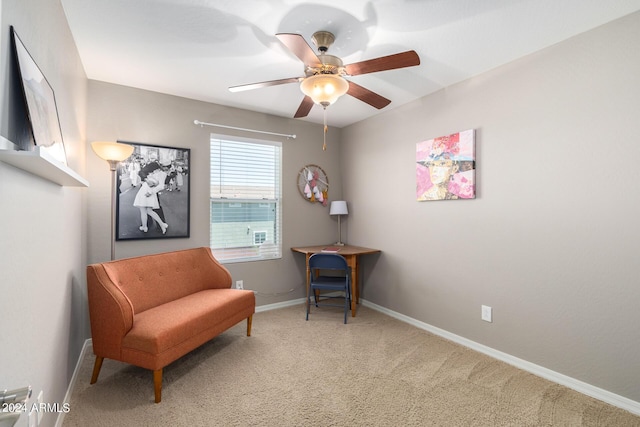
[(339, 207)]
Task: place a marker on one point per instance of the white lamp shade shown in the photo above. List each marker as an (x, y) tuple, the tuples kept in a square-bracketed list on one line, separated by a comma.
[(324, 89), (338, 207), (115, 151)]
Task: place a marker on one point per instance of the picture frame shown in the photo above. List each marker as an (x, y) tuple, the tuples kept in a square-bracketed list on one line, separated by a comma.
[(40, 100), (153, 193), (446, 167)]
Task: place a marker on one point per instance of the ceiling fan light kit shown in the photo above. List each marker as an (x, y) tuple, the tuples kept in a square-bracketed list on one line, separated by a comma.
[(324, 80), (324, 89)]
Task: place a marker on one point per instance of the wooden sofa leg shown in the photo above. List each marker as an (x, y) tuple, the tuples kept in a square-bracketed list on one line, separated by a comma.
[(96, 369), (249, 325), (157, 384)]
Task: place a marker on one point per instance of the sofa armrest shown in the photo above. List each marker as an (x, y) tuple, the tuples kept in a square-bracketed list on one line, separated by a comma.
[(218, 275), (110, 312)]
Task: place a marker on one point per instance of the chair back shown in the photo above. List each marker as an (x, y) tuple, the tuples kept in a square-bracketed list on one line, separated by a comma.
[(326, 261), (335, 277)]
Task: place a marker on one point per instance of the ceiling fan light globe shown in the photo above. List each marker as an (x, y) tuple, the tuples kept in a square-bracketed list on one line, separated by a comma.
[(324, 89)]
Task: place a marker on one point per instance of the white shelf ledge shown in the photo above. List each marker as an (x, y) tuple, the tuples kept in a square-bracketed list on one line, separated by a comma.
[(42, 164)]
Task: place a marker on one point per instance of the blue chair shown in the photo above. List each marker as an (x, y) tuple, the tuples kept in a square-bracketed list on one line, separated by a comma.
[(329, 272)]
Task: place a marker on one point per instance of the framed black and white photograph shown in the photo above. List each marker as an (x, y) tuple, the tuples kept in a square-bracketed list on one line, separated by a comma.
[(41, 103), (152, 193)]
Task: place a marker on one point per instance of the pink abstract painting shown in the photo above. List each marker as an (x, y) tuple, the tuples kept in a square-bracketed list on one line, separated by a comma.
[(445, 167)]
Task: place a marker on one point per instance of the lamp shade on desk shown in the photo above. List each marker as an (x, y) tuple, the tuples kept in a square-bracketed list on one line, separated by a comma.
[(339, 207)]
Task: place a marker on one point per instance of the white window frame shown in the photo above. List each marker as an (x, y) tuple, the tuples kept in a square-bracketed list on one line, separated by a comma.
[(234, 193)]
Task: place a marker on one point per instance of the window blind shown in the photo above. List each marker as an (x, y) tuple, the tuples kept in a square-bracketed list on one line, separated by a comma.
[(245, 200)]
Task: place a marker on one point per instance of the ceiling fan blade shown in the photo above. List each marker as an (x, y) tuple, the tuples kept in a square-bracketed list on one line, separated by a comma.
[(264, 84), (365, 95), (391, 62), (304, 108), (300, 48)]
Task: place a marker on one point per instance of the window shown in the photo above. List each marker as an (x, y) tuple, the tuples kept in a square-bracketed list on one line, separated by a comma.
[(245, 200)]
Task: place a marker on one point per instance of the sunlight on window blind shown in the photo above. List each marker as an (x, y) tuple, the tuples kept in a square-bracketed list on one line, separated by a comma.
[(245, 212)]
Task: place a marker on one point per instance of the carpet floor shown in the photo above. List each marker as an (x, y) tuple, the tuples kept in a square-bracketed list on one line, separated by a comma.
[(373, 371)]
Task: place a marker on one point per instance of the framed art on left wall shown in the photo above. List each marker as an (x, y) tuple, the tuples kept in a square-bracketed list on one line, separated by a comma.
[(41, 103), (152, 193)]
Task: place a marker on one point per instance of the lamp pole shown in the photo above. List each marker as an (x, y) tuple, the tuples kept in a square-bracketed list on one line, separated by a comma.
[(112, 152), (113, 166)]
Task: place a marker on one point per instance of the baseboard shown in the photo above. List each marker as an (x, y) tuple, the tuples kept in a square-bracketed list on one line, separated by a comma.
[(67, 397), (280, 305), (579, 386)]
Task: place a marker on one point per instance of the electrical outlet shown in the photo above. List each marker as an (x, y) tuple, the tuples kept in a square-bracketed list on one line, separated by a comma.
[(487, 313), (239, 284)]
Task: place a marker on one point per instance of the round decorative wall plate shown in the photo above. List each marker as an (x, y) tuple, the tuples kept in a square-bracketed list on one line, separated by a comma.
[(313, 184)]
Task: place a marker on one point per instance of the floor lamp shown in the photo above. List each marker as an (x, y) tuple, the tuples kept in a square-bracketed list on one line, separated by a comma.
[(112, 152), (339, 207)]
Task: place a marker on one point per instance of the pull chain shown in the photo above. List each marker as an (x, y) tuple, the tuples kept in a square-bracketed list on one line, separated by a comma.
[(324, 145)]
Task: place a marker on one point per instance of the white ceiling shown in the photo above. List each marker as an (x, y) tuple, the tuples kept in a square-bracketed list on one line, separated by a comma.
[(198, 48)]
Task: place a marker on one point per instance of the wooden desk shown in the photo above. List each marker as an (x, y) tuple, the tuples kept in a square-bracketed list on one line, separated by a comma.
[(351, 254)]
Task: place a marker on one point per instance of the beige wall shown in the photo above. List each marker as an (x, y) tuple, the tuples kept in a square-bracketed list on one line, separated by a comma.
[(122, 113), (42, 225), (552, 240)]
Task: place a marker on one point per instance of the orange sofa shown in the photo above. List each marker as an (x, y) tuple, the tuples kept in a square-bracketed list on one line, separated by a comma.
[(151, 310)]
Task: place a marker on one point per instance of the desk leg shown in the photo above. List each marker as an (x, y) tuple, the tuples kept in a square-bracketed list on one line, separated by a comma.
[(352, 261), (308, 255)]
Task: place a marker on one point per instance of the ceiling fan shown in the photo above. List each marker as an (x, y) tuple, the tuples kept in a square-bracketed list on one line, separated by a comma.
[(324, 82)]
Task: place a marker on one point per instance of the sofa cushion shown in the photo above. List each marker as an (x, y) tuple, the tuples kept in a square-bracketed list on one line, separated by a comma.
[(158, 329)]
